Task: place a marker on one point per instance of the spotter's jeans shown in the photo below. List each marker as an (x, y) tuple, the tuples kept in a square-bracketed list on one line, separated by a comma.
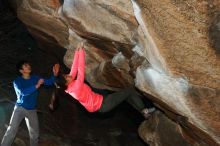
[(18, 115)]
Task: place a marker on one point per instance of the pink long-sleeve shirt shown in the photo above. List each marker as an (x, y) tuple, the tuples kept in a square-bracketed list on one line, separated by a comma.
[(78, 89)]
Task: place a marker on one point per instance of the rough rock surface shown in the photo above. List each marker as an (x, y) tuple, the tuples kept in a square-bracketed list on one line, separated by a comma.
[(169, 48)]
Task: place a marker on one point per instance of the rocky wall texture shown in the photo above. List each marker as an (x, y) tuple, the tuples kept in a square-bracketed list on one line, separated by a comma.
[(168, 48)]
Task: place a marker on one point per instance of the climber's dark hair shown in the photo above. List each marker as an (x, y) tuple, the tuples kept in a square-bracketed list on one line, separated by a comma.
[(61, 82)]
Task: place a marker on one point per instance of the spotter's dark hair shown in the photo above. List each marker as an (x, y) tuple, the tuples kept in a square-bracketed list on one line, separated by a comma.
[(20, 64)]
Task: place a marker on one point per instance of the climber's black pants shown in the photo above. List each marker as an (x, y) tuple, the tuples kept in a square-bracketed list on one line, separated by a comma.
[(110, 101)]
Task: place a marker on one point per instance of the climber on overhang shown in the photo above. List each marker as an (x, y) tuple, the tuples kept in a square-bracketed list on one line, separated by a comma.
[(95, 99)]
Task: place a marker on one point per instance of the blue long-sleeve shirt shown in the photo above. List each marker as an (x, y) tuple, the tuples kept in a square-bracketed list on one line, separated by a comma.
[(27, 92)]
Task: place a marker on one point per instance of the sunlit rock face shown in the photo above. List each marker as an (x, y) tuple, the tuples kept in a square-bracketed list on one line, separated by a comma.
[(169, 49), (185, 75)]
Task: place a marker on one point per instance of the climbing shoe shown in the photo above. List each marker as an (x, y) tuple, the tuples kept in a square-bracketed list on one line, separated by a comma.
[(147, 112)]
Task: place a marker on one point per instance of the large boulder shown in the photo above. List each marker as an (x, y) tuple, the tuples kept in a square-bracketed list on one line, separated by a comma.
[(170, 49), (184, 72)]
